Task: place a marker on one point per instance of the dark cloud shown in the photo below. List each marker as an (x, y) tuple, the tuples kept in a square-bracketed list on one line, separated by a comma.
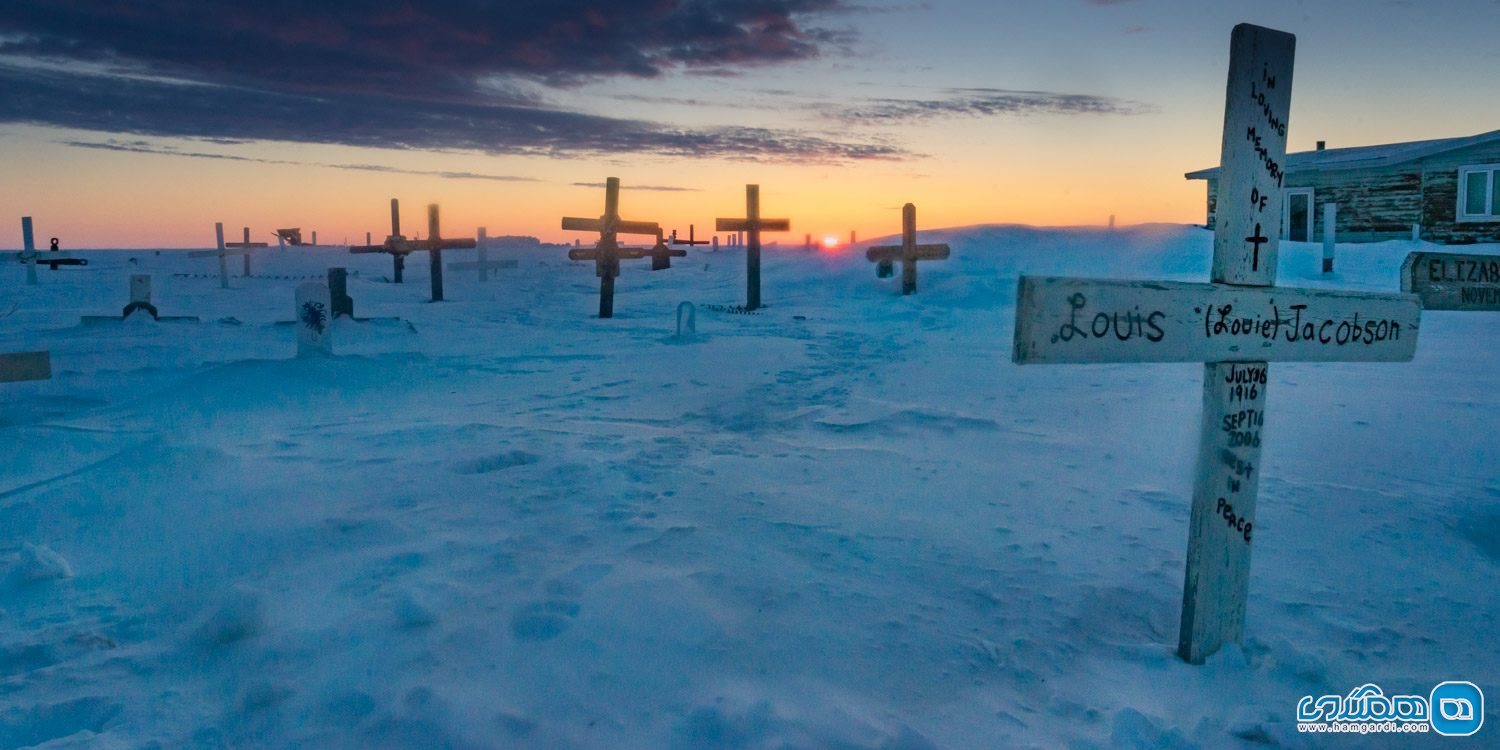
[(655, 188), (152, 107), (982, 103), (145, 147), (441, 74)]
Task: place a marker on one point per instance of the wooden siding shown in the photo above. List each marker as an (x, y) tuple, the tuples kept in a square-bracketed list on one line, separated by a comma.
[(1383, 204)]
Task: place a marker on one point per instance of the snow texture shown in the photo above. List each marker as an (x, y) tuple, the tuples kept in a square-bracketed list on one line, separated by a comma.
[(845, 521)]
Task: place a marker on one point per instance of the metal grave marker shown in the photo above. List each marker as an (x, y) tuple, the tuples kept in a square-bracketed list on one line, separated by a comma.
[(908, 252), (1234, 325), (607, 253), (1449, 281), (314, 317), (753, 225)]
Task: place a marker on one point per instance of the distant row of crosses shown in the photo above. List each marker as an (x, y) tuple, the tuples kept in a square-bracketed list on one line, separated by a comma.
[(607, 252)]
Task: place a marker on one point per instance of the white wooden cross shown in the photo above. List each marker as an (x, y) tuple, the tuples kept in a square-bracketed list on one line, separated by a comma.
[(482, 263), (25, 366), (752, 225), (32, 258), (607, 253), (224, 252), (1449, 281), (1235, 325), (908, 252)]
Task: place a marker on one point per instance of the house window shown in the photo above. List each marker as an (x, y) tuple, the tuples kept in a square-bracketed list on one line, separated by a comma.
[(1479, 193)]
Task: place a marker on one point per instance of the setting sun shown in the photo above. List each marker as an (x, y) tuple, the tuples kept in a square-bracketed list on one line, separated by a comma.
[(830, 242)]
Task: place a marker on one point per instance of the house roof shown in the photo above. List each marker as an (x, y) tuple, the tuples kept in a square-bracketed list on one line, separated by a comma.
[(1365, 157)]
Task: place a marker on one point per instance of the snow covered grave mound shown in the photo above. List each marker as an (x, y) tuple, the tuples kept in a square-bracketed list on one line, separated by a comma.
[(845, 520)]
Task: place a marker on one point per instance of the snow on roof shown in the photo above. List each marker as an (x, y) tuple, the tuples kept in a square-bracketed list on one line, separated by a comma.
[(1364, 157)]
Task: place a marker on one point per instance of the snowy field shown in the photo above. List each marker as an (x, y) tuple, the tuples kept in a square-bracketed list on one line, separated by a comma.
[(845, 522)]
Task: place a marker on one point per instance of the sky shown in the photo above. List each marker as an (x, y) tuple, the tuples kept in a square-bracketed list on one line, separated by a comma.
[(142, 123)]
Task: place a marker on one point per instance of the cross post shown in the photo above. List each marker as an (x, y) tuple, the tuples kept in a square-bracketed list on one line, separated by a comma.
[(399, 247), (1235, 325), (908, 252), (752, 225), (224, 251), (608, 253)]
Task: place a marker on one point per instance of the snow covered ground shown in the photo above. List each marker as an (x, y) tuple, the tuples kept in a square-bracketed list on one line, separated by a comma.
[(846, 522)]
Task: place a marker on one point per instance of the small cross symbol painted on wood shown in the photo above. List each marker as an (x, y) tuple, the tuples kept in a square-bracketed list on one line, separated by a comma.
[(1256, 239)]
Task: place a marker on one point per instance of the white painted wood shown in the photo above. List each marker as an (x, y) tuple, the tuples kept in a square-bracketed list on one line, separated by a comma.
[(1416, 232), (1450, 281), (28, 250), (1257, 107), (21, 366), (1330, 224), (140, 288), (1066, 320), (1253, 155), (314, 316)]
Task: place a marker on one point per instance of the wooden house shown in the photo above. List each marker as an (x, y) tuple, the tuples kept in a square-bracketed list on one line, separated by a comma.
[(1445, 191)]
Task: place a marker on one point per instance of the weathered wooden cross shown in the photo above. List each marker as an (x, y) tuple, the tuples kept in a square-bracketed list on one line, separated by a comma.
[(1447, 281), (482, 263), (752, 225), (223, 252), (399, 247), (1235, 325), (690, 240), (20, 366), (908, 252), (32, 258), (662, 254), (607, 253)]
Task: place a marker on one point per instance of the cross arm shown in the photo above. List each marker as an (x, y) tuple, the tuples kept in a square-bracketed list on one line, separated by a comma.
[(746, 225), (881, 253)]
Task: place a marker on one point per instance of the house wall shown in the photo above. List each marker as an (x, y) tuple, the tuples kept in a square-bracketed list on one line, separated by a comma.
[(1383, 204), (1440, 197)]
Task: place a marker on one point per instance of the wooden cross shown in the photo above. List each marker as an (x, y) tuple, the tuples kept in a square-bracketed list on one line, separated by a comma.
[(32, 258), (1448, 281), (1235, 325), (662, 255), (223, 254), (20, 366), (753, 225), (607, 253), (690, 240), (399, 247), (908, 252), (482, 263)]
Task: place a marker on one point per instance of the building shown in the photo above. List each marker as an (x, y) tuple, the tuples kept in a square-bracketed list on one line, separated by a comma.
[(1446, 191)]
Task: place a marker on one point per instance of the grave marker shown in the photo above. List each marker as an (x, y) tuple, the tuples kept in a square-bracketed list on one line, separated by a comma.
[(482, 263), (140, 296), (224, 251), (662, 255), (339, 301), (607, 253), (908, 252), (1235, 325), (52, 259), (314, 315), (21, 366), (1330, 223), (399, 247), (753, 225), (691, 240), (1449, 281), (687, 321)]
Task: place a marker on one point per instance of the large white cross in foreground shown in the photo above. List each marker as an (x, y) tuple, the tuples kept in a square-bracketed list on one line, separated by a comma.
[(1234, 325)]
